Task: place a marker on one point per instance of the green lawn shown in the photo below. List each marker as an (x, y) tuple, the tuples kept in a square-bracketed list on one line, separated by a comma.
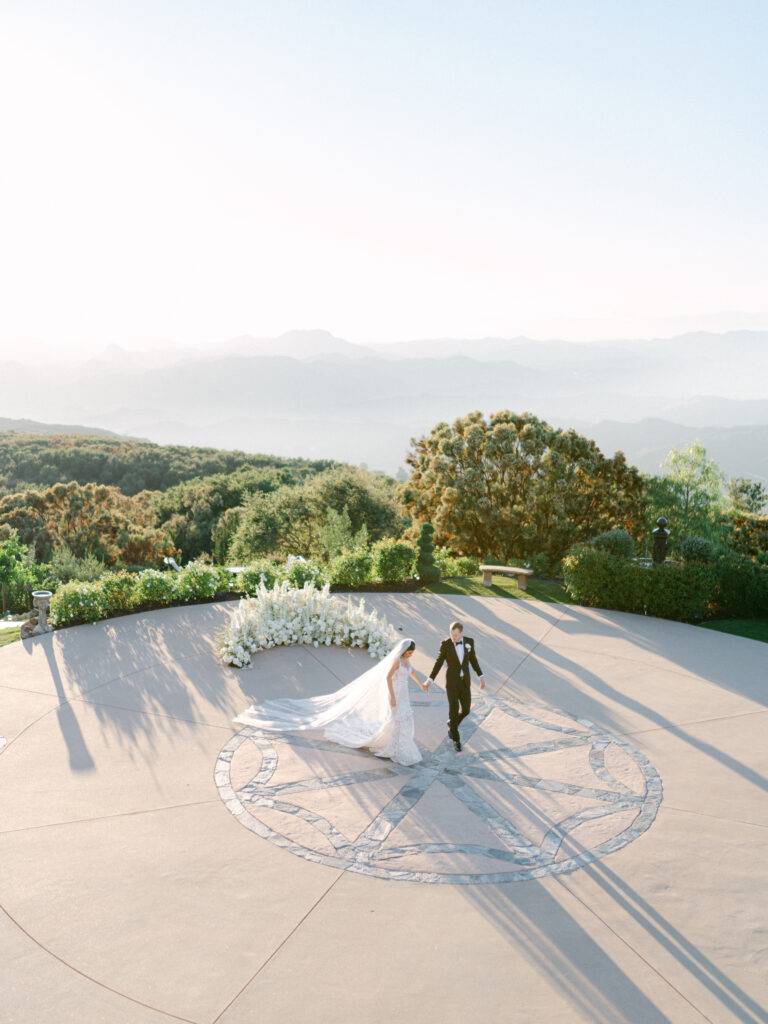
[(753, 629), (7, 636), (503, 586)]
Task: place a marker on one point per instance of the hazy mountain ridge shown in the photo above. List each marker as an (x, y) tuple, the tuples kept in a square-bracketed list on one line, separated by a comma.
[(36, 427), (309, 393)]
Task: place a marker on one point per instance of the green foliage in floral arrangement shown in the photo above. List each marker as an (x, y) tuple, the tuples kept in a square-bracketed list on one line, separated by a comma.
[(394, 561), (156, 588), (603, 580), (698, 549), (617, 542), (351, 569), (119, 591), (77, 602), (255, 575), (297, 572), (426, 569)]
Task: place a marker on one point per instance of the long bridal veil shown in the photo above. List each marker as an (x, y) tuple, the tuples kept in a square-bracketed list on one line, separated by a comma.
[(353, 715)]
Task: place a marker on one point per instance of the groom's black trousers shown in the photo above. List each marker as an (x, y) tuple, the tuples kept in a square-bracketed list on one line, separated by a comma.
[(459, 699)]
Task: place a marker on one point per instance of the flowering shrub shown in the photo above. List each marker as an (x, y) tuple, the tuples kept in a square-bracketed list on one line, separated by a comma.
[(77, 602), (393, 561), (351, 569), (119, 591), (297, 572), (196, 582), (254, 576), (155, 587), (287, 615)]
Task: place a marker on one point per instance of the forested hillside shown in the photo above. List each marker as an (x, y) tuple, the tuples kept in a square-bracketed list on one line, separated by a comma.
[(128, 502), (29, 461)]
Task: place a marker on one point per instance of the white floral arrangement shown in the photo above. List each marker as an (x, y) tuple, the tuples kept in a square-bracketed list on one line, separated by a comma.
[(288, 615)]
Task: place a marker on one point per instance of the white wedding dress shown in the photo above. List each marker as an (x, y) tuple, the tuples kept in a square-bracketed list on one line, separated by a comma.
[(357, 715)]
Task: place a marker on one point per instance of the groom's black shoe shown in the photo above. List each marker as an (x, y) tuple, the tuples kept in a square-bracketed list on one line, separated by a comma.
[(457, 746)]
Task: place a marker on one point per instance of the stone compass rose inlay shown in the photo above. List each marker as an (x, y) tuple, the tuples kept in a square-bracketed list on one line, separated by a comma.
[(535, 792)]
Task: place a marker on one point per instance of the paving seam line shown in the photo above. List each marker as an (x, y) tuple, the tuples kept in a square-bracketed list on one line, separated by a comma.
[(101, 984), (275, 951), (632, 661), (153, 714), (108, 817), (529, 653), (83, 698), (696, 721), (715, 817), (639, 955)]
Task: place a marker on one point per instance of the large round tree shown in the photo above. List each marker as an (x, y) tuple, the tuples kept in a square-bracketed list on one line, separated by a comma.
[(511, 486)]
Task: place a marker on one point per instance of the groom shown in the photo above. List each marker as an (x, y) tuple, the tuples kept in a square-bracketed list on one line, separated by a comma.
[(458, 653)]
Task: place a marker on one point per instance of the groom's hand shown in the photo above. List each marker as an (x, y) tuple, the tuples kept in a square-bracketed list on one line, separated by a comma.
[(482, 683)]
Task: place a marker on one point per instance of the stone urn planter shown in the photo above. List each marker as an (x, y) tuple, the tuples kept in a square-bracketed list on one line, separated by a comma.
[(41, 599)]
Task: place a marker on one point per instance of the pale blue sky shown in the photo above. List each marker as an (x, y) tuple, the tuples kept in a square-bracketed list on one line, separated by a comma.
[(191, 171)]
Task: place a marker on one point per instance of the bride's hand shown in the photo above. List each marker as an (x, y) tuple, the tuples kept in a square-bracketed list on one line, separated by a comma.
[(393, 702)]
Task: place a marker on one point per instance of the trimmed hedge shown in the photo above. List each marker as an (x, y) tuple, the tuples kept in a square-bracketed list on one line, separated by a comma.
[(394, 561), (742, 588), (698, 549), (734, 586), (455, 565), (256, 575), (600, 579), (351, 568), (616, 542)]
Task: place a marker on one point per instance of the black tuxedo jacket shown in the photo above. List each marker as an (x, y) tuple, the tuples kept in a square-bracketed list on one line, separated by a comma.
[(455, 669)]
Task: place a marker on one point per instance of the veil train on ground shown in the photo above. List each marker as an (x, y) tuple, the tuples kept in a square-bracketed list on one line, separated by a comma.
[(353, 716)]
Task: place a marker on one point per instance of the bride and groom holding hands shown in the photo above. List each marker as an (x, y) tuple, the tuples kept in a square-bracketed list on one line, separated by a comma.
[(374, 710)]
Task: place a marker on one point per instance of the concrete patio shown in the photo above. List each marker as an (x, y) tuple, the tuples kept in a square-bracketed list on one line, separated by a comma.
[(597, 853)]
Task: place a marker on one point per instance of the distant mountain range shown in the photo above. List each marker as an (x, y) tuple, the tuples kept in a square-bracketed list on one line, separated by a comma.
[(310, 394), (35, 427)]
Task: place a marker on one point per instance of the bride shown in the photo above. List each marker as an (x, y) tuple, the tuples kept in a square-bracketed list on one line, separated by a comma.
[(372, 711)]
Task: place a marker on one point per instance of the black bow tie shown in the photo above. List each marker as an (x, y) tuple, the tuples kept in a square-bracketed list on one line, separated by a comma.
[(457, 642)]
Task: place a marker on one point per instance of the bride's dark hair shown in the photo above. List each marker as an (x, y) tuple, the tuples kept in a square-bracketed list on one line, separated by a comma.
[(411, 647)]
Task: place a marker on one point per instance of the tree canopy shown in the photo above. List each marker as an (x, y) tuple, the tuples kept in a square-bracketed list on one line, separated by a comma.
[(43, 460), (511, 486), (89, 520), (293, 519), (692, 490)]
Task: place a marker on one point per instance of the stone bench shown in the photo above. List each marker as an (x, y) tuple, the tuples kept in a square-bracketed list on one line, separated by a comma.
[(488, 572)]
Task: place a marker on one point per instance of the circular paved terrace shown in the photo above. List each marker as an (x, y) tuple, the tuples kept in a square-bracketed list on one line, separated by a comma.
[(595, 853)]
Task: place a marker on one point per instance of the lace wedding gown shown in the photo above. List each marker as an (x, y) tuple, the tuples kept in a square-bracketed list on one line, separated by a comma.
[(395, 738), (357, 715)]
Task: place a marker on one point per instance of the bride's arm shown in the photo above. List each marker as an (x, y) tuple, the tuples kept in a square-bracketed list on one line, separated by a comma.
[(390, 677), (416, 678)]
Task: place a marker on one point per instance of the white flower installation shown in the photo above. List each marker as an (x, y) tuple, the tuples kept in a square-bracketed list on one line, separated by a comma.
[(287, 615)]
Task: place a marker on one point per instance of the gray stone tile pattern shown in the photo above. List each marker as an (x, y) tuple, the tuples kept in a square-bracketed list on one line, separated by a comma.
[(610, 801)]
